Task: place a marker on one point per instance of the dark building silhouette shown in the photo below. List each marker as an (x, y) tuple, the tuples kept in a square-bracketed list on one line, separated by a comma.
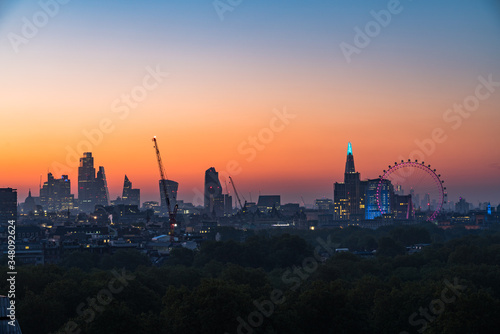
[(127, 186), (290, 209), (130, 196), (218, 206), (101, 188), (462, 206), (86, 183), (29, 203), (213, 198), (349, 195), (426, 205), (172, 188), (403, 207), (8, 205), (267, 203), (91, 190), (250, 207), (228, 205), (55, 194), (324, 204)]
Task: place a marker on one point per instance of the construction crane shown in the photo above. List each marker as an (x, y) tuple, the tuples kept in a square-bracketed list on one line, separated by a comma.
[(171, 214), (236, 192)]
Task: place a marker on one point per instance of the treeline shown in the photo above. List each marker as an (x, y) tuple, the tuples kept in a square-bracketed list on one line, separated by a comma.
[(274, 283)]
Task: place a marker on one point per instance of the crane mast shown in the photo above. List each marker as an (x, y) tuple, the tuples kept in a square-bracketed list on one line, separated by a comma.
[(236, 192), (171, 214)]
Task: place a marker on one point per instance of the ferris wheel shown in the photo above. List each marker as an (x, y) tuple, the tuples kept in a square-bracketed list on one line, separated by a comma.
[(416, 179)]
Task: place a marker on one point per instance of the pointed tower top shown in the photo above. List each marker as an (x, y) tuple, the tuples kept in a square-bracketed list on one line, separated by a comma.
[(127, 183), (349, 164)]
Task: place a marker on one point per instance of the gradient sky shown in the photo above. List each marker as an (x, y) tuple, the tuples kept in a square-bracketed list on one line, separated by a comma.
[(225, 79)]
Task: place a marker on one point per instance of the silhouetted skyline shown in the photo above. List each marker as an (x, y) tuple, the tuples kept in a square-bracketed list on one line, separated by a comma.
[(265, 92)]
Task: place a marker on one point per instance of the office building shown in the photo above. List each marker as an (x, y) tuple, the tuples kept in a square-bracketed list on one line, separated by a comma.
[(267, 203), (55, 194), (349, 196), (324, 204), (228, 205), (372, 209), (8, 205), (462, 206), (403, 207), (130, 196), (86, 183), (172, 188), (101, 188), (213, 198), (92, 190), (218, 206)]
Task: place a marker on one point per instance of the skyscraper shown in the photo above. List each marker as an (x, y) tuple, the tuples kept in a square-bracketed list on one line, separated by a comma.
[(462, 206), (403, 207), (8, 205), (228, 205), (55, 194), (91, 190), (213, 192), (127, 185), (172, 188), (218, 205), (349, 164), (101, 187), (372, 209), (86, 183), (349, 195), (130, 196)]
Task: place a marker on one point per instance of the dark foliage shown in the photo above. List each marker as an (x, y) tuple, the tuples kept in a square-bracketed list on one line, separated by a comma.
[(274, 283)]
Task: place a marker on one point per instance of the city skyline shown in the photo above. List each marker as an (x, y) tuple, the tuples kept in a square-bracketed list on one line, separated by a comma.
[(267, 93), (212, 179)]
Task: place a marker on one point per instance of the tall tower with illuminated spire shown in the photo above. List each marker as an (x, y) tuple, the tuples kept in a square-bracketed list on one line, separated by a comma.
[(349, 164), (349, 195)]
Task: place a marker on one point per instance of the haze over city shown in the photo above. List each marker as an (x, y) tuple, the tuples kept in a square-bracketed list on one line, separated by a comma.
[(107, 77)]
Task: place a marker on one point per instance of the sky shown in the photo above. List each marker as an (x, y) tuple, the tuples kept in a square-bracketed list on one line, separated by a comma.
[(269, 92)]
